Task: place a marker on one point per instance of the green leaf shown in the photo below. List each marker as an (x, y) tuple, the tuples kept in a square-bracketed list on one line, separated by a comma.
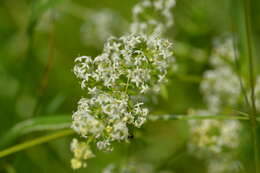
[(36, 141), (42, 123)]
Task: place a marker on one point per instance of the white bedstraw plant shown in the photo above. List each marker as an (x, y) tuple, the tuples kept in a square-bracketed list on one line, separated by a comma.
[(116, 80)]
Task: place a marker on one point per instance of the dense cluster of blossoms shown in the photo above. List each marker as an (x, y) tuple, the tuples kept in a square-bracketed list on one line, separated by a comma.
[(129, 67), (134, 62), (152, 16), (221, 89), (81, 152), (117, 80), (220, 85), (214, 136)]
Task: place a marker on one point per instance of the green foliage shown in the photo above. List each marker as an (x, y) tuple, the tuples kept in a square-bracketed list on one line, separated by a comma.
[(39, 41)]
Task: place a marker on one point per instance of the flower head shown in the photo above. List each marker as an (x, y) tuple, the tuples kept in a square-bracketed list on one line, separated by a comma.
[(134, 61), (152, 16)]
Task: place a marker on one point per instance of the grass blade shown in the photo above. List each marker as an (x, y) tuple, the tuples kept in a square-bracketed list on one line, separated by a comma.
[(36, 141), (42, 123)]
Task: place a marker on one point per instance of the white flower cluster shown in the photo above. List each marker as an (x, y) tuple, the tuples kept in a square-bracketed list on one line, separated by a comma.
[(214, 136), (220, 86), (133, 62), (152, 16), (215, 140), (116, 80), (81, 151), (106, 116), (129, 67)]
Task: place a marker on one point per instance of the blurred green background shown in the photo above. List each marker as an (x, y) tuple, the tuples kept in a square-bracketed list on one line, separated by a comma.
[(39, 41)]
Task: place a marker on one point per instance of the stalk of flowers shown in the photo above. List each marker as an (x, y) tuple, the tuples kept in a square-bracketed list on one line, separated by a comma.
[(220, 89), (129, 67)]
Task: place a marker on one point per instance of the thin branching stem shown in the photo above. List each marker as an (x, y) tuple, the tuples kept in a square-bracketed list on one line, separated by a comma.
[(253, 118)]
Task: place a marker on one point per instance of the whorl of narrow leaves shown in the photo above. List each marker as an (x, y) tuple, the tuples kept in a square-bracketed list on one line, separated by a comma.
[(129, 67)]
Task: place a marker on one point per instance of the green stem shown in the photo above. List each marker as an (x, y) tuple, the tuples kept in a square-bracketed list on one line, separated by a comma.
[(237, 65), (253, 114), (34, 142), (196, 117)]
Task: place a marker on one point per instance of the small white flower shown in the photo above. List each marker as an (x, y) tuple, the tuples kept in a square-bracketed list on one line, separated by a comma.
[(120, 131), (93, 90), (104, 145)]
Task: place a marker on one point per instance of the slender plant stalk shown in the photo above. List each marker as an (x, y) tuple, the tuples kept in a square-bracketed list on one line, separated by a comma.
[(195, 117), (34, 142), (242, 88), (237, 64), (253, 114)]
